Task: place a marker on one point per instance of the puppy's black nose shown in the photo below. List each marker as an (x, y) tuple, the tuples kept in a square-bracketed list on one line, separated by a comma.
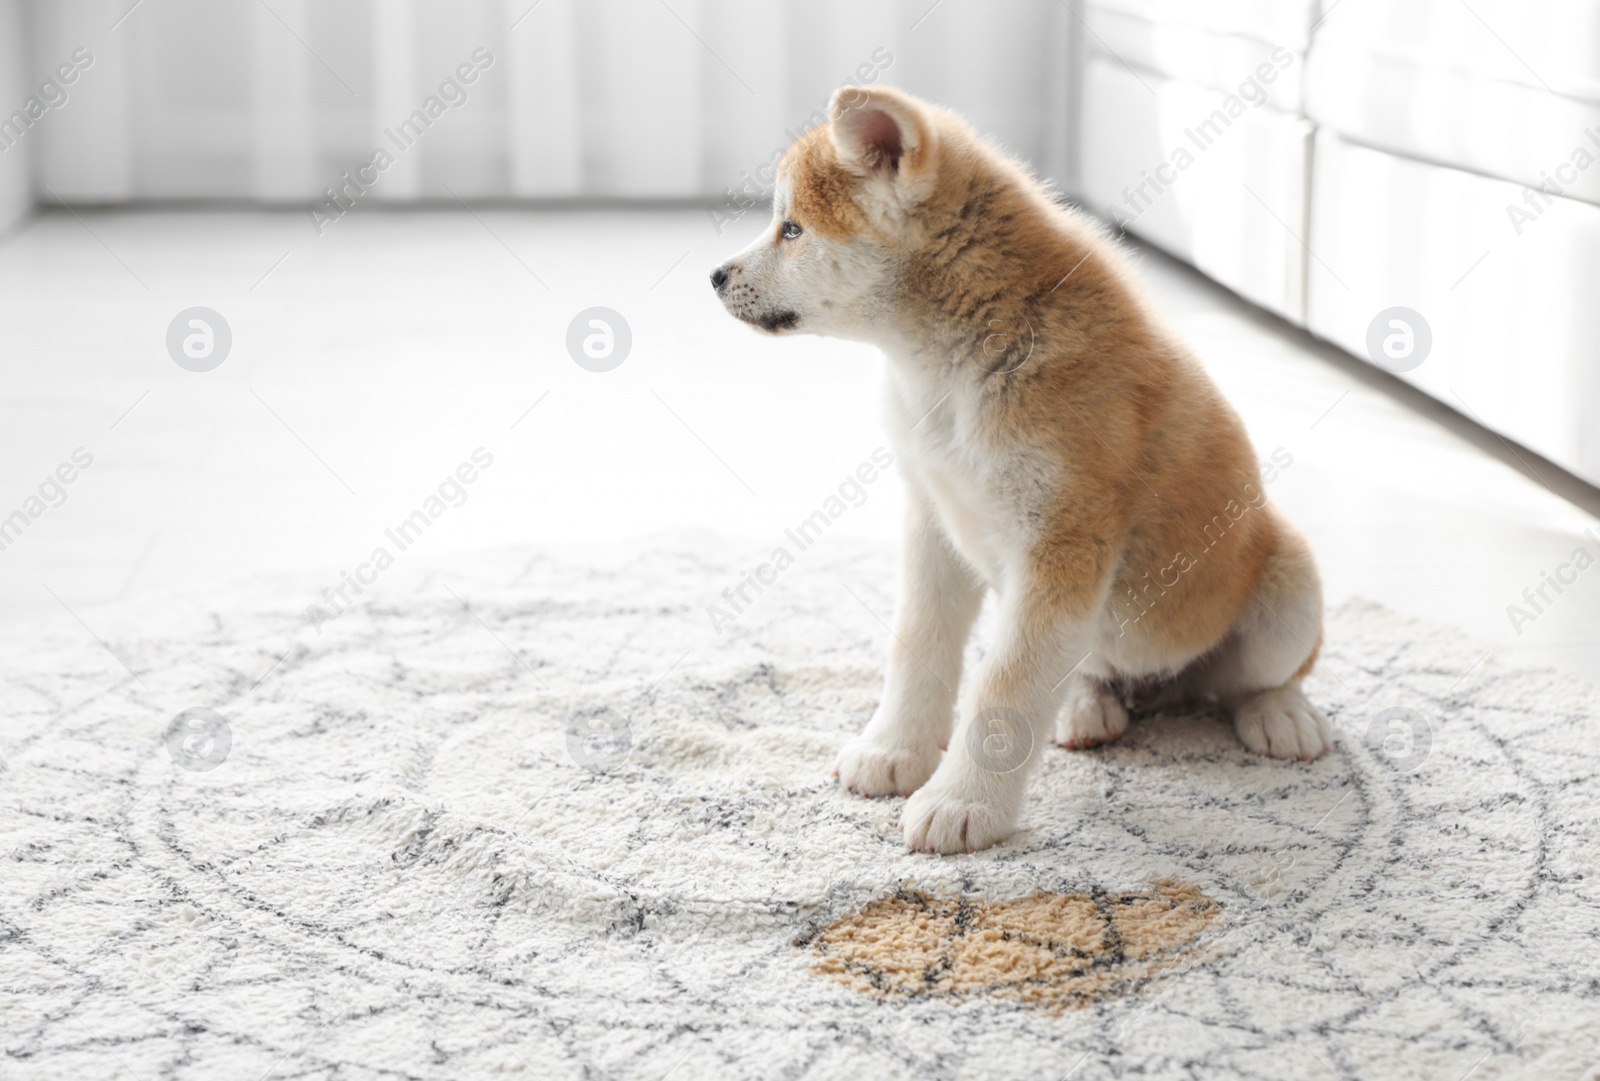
[(719, 278)]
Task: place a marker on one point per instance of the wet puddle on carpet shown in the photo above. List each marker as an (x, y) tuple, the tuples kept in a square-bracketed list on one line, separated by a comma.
[(1052, 950)]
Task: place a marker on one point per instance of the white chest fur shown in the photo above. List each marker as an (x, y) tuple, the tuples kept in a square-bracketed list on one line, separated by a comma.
[(989, 496)]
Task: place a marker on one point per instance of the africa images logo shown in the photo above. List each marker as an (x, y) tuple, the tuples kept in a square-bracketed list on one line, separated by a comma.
[(339, 199), (451, 492), (851, 492), (52, 94)]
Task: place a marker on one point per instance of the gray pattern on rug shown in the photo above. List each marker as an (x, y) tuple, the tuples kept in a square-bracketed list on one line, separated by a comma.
[(536, 819)]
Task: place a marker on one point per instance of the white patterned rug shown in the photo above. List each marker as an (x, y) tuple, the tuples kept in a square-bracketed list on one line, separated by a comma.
[(535, 819)]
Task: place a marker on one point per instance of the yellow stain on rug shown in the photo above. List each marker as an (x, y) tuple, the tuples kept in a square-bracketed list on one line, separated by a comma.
[(1053, 950)]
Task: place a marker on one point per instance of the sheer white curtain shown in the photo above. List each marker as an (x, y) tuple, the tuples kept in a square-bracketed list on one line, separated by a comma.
[(272, 100), (16, 163)]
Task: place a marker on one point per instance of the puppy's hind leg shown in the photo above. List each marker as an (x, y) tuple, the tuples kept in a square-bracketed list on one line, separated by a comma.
[(1090, 716), (1257, 669)]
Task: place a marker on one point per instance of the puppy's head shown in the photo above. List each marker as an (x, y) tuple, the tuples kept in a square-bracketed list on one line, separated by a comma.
[(843, 204)]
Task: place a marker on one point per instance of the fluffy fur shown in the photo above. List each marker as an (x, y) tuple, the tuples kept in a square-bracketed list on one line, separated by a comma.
[(1059, 447)]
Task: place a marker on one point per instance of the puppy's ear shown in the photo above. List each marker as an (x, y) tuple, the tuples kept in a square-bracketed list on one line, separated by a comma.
[(880, 131)]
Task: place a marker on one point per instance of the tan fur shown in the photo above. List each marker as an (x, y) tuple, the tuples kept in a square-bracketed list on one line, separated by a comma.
[(1107, 456), (1155, 450)]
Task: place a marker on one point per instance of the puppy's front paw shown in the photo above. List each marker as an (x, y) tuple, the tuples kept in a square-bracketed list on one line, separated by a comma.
[(1283, 724), (960, 810), (871, 767), (1090, 719)]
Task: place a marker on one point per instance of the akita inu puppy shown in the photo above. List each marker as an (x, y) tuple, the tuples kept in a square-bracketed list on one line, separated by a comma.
[(1059, 447)]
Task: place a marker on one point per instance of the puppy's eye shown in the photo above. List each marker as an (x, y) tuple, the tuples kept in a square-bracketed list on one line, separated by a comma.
[(791, 230)]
